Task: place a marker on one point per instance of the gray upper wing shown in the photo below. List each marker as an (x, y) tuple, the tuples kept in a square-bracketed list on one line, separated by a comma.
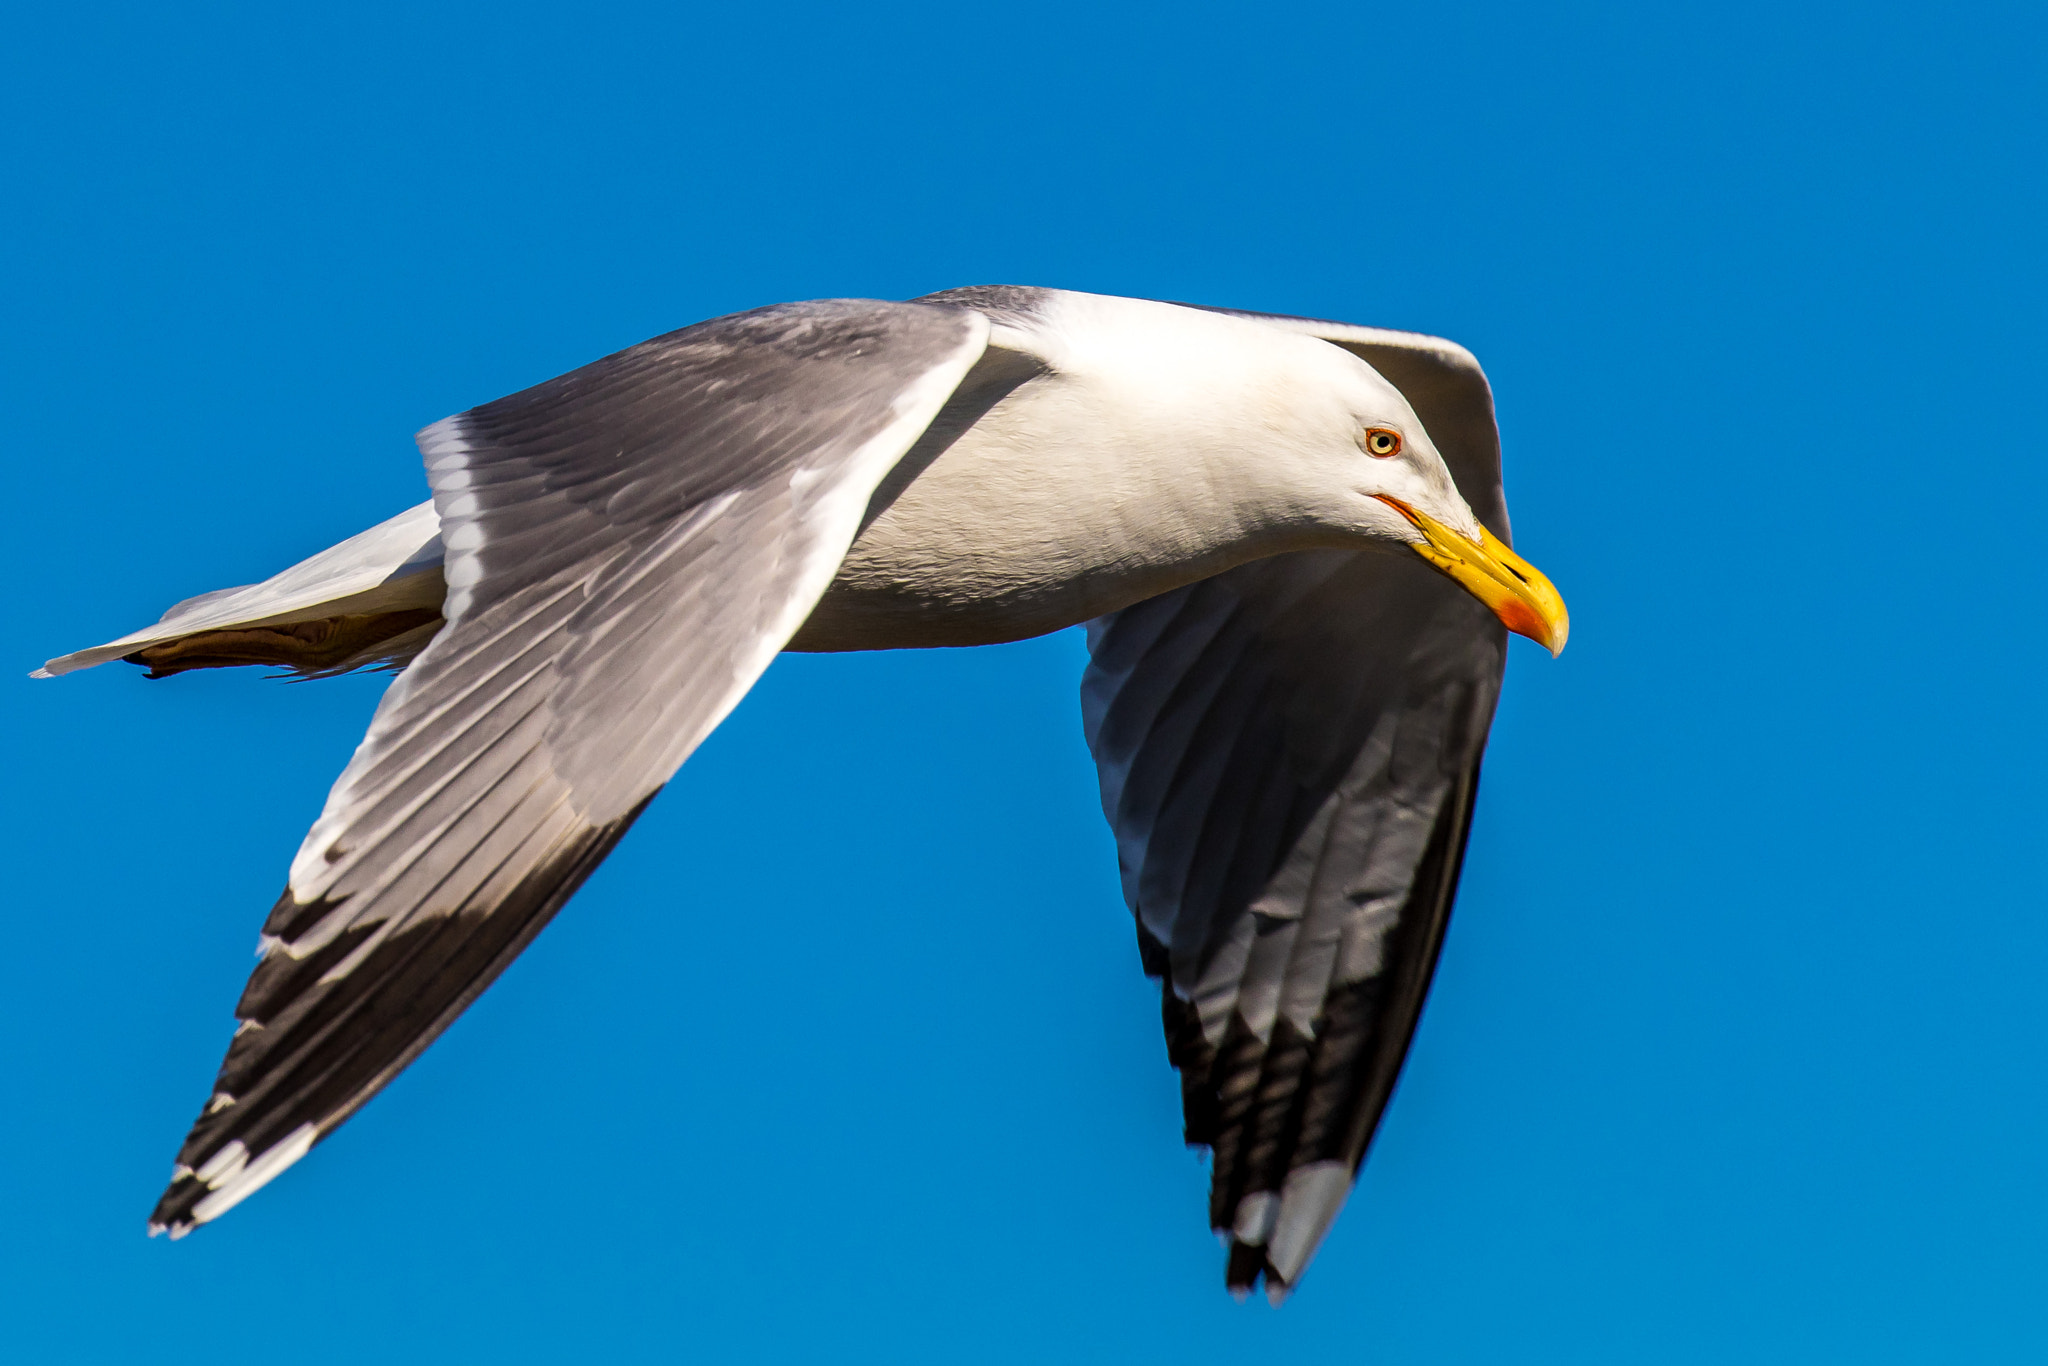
[(627, 547), (1289, 754)]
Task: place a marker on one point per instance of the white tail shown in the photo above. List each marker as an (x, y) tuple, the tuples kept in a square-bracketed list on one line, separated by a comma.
[(389, 574)]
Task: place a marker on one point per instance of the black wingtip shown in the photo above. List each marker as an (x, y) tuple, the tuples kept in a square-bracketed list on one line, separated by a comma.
[(1242, 1272), (1248, 1268), (320, 1052), (173, 1212)]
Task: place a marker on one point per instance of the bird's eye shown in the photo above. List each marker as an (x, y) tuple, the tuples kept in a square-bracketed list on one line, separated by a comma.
[(1382, 442)]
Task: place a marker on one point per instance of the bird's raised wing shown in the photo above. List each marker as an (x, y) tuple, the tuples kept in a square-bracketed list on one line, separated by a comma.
[(1289, 753), (627, 548)]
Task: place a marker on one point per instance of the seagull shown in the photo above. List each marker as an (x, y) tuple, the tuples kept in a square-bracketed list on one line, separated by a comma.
[(1287, 541)]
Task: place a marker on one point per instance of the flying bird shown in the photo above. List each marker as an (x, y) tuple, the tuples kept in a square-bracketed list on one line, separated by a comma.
[(1287, 540)]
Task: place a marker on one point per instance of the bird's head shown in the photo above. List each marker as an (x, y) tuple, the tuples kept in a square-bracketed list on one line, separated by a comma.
[(1398, 489)]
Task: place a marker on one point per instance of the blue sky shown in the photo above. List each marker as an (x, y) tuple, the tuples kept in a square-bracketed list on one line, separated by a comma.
[(1737, 1047)]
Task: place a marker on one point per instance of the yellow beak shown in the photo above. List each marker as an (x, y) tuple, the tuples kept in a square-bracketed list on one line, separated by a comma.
[(1512, 588)]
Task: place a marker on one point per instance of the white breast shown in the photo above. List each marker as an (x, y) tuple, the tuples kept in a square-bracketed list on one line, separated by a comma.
[(1161, 445)]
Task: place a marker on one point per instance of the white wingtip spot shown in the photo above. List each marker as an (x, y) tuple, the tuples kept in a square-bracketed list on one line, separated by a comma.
[(223, 1165), (221, 1101), (41, 673), (253, 1176), (1256, 1215), (1309, 1202)]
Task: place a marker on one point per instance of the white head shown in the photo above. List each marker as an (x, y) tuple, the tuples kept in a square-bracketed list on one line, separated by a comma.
[(1229, 431), (1379, 477), (1316, 438)]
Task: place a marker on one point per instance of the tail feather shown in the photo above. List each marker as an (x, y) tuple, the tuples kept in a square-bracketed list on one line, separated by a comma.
[(372, 601), (314, 649)]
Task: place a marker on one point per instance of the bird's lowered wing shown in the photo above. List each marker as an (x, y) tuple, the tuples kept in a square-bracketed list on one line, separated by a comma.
[(1289, 753), (628, 546)]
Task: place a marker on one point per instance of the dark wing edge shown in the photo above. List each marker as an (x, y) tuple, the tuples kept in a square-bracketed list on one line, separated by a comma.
[(629, 545), (1289, 755)]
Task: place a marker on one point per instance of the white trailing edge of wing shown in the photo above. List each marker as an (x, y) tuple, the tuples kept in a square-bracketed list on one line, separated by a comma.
[(393, 566)]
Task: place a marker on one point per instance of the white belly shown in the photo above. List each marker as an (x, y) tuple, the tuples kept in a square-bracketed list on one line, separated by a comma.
[(1046, 509)]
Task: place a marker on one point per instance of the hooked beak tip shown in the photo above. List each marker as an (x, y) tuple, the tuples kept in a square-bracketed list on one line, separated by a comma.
[(1517, 592)]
